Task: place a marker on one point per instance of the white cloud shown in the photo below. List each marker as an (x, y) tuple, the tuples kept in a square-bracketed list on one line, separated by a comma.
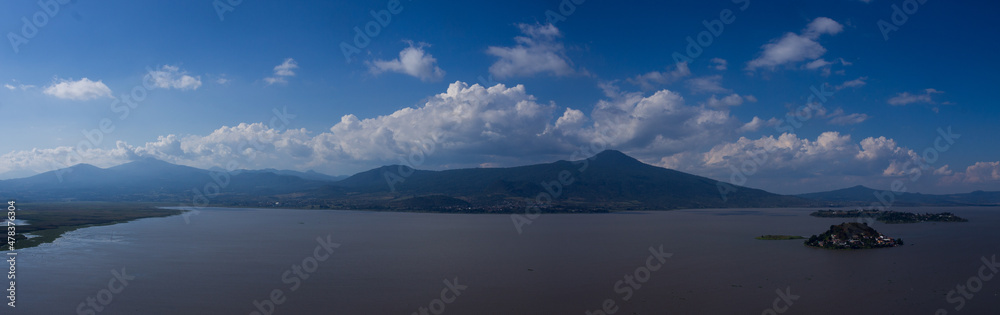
[(653, 125), (171, 77), (822, 25), (80, 90), (983, 172), (282, 72), (720, 64), (906, 98), (944, 170), (790, 164), (412, 61), (978, 173), (793, 48), (42, 160), (756, 123), (650, 80), (709, 84), (18, 86), (859, 82), (537, 52)]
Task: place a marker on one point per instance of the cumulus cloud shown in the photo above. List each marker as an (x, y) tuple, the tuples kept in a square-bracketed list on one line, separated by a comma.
[(906, 98), (793, 48), (756, 123), (983, 172), (978, 173), (47, 159), (538, 51), (80, 90), (651, 79), (661, 123), (412, 61), (944, 170), (791, 164), (282, 72), (820, 26), (171, 77)]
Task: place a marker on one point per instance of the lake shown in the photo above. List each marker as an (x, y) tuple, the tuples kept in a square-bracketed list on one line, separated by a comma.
[(230, 261)]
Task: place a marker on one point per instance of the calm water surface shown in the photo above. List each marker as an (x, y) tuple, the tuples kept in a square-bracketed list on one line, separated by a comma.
[(394, 263)]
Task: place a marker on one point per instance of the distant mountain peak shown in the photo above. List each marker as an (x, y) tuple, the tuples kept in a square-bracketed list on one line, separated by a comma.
[(616, 157), (83, 166)]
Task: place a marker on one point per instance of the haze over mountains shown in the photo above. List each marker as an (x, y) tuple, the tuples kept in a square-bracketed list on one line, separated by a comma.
[(607, 181)]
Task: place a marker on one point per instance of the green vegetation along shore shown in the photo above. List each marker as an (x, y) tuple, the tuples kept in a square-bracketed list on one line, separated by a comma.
[(48, 221)]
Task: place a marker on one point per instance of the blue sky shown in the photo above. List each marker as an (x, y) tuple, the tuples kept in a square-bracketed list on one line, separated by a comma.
[(605, 73)]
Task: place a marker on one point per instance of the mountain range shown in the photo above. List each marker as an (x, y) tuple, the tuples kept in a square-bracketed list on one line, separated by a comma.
[(608, 181)]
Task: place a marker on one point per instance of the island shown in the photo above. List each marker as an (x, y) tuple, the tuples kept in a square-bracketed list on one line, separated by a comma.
[(779, 237), (852, 235), (890, 217)]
